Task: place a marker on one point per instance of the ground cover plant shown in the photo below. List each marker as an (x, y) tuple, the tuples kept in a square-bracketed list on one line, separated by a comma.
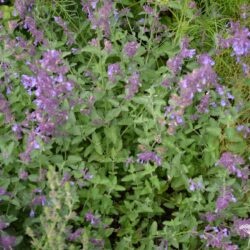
[(124, 124)]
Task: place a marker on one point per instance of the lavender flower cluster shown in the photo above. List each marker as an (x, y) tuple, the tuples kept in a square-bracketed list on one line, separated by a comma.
[(133, 85), (69, 34), (92, 218), (224, 199), (245, 130), (148, 156), (6, 241), (217, 238), (195, 82), (175, 63), (23, 7), (195, 185), (242, 227), (113, 71), (98, 16), (75, 235), (5, 109), (230, 162), (30, 25), (239, 41), (50, 87), (131, 48)]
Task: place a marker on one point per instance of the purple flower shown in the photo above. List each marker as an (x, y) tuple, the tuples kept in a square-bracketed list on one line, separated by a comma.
[(37, 191), (69, 35), (107, 46), (240, 128), (210, 217), (51, 62), (192, 5), (133, 86), (113, 70), (74, 236), (220, 90), (30, 25), (3, 191), (242, 227), (50, 87), (205, 59), (244, 129), (229, 96), (23, 175), (92, 219), (7, 241), (204, 103), (28, 81), (239, 40), (129, 161), (32, 213), (99, 17), (179, 119), (175, 63), (86, 174), (23, 7), (3, 225), (96, 242), (94, 42), (148, 9), (166, 83), (228, 246), (224, 199), (12, 25), (230, 162), (194, 185), (39, 200), (216, 238), (223, 103), (147, 157), (246, 68), (187, 53), (66, 178), (5, 109), (130, 48)]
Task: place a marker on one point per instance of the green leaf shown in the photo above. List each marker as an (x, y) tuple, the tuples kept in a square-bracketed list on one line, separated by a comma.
[(97, 143), (155, 182), (216, 131), (88, 150), (119, 188), (112, 114), (232, 135), (112, 134), (130, 177), (153, 229), (72, 159)]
